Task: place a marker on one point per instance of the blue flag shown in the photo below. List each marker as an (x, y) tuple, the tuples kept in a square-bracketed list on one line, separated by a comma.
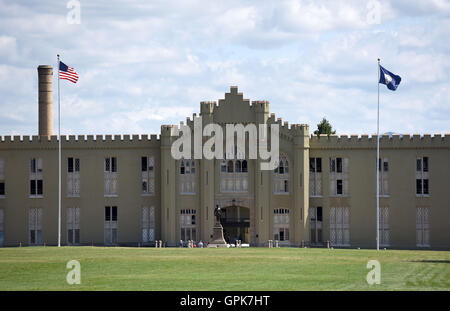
[(389, 79)]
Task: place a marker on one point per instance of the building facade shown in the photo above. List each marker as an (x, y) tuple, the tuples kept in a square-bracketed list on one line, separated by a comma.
[(129, 190)]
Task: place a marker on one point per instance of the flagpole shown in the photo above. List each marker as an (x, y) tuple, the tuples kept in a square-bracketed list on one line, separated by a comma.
[(59, 160), (378, 160)]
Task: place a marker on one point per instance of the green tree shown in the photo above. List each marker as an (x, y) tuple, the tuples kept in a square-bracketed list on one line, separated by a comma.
[(324, 127)]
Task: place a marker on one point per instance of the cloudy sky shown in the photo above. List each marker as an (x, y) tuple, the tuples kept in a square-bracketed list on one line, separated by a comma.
[(147, 63)]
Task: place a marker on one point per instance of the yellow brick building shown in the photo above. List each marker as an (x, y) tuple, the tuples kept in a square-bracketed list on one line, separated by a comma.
[(129, 190)]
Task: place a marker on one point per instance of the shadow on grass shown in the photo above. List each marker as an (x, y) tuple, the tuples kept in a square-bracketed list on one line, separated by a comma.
[(432, 261)]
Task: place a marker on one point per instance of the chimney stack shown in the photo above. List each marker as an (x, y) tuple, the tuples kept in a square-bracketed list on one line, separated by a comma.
[(45, 76)]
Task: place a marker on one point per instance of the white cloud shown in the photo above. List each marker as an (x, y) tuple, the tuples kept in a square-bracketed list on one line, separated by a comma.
[(143, 64)]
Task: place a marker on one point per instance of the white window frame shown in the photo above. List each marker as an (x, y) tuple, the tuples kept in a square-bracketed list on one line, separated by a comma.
[(340, 226), (187, 172), (148, 224), (233, 178), (383, 176), (423, 175), (73, 178), (384, 230), (188, 225), (281, 225), (111, 226), (111, 176), (73, 226), (148, 176), (423, 227), (336, 176), (315, 226), (315, 177), (35, 226), (281, 182), (36, 172)]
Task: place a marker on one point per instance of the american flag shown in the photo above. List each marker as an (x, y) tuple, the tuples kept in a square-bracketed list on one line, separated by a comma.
[(67, 73)]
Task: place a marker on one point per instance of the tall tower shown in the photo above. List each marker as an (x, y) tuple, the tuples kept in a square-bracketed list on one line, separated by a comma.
[(45, 75)]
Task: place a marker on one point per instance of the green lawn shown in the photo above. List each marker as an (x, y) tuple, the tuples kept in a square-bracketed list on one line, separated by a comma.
[(44, 268)]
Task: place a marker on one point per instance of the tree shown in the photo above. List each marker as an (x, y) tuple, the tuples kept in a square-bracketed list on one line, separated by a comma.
[(324, 127)]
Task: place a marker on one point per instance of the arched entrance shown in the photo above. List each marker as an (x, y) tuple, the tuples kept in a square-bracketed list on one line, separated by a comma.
[(236, 223)]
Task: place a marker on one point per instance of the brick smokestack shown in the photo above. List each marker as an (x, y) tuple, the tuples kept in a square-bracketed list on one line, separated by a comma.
[(45, 78)]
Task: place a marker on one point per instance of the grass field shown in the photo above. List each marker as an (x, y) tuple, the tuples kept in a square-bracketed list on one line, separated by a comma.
[(114, 268)]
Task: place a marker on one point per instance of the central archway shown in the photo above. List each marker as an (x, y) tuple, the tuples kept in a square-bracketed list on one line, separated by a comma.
[(236, 224)]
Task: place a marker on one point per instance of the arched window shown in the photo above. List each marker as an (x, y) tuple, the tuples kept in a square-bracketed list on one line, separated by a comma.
[(188, 167), (223, 166), (193, 167), (281, 225), (234, 175), (281, 176), (237, 166), (182, 168), (187, 176), (283, 167), (230, 166), (244, 166)]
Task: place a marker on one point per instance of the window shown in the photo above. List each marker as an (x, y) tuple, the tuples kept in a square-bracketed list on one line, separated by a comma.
[(315, 177), (187, 176), (233, 175), (384, 232), (383, 176), (281, 176), (422, 177), (2, 178), (2, 233), (339, 186), (36, 182), (281, 224), (111, 176), (339, 176), (422, 227), (110, 225), (35, 226), (73, 177), (73, 225), (188, 228), (339, 226), (148, 224), (315, 224), (148, 175)]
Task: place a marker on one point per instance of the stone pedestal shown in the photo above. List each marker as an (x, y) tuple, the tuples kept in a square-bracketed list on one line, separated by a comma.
[(217, 239)]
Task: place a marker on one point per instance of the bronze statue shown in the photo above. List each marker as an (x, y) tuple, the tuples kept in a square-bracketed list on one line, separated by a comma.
[(217, 239), (217, 213)]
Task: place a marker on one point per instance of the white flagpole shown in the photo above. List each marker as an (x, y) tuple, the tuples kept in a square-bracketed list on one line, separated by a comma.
[(378, 159), (59, 161)]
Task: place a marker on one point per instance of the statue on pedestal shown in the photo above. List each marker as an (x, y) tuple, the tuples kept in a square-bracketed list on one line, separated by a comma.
[(218, 214), (217, 239)]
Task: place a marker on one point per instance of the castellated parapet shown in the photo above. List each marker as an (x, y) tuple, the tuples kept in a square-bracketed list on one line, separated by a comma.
[(396, 141), (79, 142)]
